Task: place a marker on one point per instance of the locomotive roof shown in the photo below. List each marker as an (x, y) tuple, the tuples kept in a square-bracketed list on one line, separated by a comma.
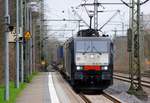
[(88, 38), (88, 33), (93, 38)]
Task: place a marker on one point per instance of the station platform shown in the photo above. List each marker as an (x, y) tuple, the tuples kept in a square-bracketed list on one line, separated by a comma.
[(38, 91)]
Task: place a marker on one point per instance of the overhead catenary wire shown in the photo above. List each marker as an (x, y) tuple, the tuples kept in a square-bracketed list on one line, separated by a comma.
[(69, 13), (109, 20), (126, 4), (80, 17), (144, 2), (86, 8)]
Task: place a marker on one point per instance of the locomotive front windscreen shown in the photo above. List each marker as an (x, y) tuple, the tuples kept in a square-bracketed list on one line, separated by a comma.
[(91, 46), (92, 52)]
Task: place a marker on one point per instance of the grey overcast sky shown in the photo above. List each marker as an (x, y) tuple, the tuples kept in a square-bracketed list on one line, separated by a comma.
[(59, 9)]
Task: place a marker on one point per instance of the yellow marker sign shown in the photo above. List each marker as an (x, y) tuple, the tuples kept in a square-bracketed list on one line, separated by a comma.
[(27, 35)]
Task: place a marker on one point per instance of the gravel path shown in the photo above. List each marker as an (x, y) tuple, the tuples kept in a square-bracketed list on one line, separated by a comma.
[(120, 88)]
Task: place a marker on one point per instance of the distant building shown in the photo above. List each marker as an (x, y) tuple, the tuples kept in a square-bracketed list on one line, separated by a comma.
[(146, 22)]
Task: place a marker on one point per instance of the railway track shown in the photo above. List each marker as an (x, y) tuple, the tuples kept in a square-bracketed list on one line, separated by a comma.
[(106, 95), (113, 99), (127, 79), (86, 100)]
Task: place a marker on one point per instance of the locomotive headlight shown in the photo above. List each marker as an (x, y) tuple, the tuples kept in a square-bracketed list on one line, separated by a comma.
[(105, 68), (92, 56), (79, 68)]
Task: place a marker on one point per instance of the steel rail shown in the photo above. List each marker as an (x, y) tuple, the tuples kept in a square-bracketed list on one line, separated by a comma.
[(86, 100), (106, 95), (126, 79), (111, 98), (144, 81)]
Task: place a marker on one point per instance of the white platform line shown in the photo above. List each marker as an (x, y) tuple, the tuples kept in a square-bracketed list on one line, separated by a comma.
[(52, 91)]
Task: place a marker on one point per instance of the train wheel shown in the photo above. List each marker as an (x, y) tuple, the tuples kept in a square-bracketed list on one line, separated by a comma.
[(75, 86)]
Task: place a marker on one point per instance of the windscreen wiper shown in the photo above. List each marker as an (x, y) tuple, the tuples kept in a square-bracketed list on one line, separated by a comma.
[(86, 50), (93, 47)]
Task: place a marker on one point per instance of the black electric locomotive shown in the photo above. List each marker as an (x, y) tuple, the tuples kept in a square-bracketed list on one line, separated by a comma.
[(88, 60)]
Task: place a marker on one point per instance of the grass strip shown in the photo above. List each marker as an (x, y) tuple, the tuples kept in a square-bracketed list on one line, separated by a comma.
[(14, 92)]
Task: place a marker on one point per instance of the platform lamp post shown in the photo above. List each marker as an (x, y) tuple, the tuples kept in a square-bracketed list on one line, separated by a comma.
[(22, 48), (17, 83), (26, 40), (6, 50)]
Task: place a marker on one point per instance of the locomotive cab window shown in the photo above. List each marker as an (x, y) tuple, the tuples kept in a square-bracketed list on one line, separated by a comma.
[(92, 46)]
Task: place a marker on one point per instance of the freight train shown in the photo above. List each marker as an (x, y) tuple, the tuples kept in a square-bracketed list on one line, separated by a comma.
[(88, 60)]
